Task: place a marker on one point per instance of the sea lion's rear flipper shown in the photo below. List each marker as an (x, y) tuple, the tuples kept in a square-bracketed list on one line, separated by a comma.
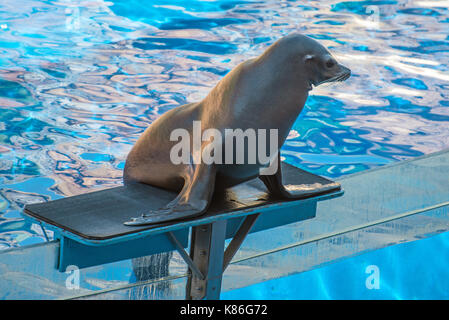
[(277, 189), (192, 201)]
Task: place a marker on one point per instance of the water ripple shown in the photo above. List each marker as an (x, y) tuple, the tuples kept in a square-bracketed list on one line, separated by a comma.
[(80, 81)]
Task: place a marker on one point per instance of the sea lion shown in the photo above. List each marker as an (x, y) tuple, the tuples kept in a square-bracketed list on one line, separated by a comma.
[(267, 92)]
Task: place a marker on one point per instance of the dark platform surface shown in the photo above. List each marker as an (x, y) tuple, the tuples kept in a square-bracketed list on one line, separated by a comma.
[(99, 215)]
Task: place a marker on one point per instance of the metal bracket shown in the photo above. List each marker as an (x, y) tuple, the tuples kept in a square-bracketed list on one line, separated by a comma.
[(185, 256), (237, 241)]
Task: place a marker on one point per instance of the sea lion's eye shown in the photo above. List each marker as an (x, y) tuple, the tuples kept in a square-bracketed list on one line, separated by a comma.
[(330, 64)]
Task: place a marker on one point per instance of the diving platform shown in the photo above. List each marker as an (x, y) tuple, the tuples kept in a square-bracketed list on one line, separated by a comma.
[(249, 239)]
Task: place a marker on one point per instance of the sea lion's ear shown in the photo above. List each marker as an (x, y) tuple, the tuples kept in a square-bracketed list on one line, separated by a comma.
[(308, 57)]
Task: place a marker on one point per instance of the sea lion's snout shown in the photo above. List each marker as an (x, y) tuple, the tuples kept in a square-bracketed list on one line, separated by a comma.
[(333, 71), (323, 68), (343, 74)]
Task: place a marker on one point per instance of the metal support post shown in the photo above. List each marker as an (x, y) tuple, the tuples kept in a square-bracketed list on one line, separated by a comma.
[(206, 252)]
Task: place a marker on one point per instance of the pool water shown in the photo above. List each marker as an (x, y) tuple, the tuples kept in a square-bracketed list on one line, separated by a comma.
[(81, 80), (407, 271)]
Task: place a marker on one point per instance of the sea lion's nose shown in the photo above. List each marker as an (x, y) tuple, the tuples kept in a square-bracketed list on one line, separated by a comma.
[(346, 71)]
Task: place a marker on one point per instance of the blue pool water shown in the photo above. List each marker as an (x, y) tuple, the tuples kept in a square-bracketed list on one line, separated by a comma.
[(407, 271), (80, 81)]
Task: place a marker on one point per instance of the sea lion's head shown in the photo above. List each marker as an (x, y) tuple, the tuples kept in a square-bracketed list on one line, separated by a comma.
[(311, 63)]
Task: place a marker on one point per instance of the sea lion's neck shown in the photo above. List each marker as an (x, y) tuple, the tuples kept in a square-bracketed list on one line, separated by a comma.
[(283, 93), (261, 90)]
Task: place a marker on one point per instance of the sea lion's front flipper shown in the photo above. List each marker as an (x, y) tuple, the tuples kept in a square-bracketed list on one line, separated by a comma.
[(192, 201), (277, 189)]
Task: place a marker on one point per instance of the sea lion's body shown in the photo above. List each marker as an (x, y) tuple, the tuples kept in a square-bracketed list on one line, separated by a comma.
[(238, 111), (268, 92)]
